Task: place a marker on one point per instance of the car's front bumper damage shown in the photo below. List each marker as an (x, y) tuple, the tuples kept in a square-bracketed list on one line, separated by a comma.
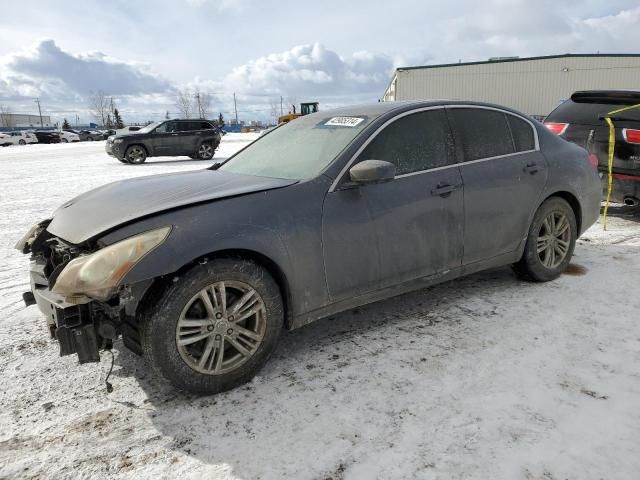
[(73, 325), (81, 325)]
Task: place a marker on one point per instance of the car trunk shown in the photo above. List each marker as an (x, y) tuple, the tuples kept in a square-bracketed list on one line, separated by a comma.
[(586, 127)]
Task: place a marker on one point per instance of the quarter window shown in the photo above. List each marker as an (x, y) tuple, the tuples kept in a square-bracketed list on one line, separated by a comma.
[(416, 142), (522, 134), (482, 133)]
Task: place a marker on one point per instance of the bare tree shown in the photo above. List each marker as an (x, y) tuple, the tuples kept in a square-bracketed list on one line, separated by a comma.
[(100, 107), (183, 102), (274, 108), (6, 118)]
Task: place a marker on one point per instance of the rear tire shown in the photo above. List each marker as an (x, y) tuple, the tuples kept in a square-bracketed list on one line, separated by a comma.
[(205, 151), (550, 242), (64, 140), (190, 336), (22, 142), (135, 154)]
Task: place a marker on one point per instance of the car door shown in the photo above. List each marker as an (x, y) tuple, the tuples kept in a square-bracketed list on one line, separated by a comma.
[(379, 235), (165, 139), (189, 135), (503, 173)]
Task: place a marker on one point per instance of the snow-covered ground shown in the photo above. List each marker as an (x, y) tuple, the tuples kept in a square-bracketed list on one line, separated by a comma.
[(485, 377)]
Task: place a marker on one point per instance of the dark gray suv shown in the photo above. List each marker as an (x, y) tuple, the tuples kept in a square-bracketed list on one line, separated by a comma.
[(200, 271), (197, 139)]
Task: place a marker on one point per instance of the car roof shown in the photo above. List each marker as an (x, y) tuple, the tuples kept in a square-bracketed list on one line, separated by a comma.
[(381, 108)]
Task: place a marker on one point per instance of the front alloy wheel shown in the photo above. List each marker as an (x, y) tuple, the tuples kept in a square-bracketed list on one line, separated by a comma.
[(221, 327), (213, 328), (135, 154)]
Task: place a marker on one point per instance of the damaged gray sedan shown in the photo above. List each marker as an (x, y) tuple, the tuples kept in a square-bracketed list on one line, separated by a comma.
[(201, 271)]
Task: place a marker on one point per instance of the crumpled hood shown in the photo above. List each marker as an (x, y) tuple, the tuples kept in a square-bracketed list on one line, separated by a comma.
[(118, 203)]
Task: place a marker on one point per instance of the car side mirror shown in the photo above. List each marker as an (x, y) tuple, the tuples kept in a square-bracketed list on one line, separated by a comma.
[(372, 171)]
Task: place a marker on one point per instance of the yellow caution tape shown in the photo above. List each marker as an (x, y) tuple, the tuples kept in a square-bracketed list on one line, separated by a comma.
[(612, 148)]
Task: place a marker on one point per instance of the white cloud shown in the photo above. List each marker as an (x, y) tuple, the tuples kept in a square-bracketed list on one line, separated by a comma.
[(55, 69), (312, 70)]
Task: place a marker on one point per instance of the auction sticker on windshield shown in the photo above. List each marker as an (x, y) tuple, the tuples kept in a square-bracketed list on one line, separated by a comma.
[(344, 121)]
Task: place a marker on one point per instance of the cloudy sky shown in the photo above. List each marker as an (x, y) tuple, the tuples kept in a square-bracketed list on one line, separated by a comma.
[(337, 52)]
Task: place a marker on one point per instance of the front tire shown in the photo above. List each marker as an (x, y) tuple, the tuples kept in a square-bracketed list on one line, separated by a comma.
[(214, 328), (22, 142), (135, 154), (550, 242)]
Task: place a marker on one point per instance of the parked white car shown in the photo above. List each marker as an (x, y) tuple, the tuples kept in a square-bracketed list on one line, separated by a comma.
[(17, 138), (129, 129), (66, 137)]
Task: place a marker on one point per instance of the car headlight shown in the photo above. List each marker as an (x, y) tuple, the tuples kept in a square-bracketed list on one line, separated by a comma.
[(29, 237), (96, 275)]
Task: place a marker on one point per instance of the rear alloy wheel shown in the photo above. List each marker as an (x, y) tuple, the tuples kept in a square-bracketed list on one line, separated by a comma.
[(22, 142), (215, 328), (135, 154), (550, 242), (205, 151)]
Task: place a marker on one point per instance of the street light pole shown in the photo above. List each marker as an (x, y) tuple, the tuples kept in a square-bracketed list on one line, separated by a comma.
[(235, 106), (37, 100)]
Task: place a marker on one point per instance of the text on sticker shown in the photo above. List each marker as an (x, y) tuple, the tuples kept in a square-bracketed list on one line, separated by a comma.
[(344, 121)]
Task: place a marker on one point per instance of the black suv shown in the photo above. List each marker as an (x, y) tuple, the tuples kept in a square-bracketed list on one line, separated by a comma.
[(197, 139), (581, 120)]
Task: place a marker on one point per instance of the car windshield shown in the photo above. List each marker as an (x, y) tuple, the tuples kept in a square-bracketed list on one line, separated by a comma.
[(298, 150), (148, 128)]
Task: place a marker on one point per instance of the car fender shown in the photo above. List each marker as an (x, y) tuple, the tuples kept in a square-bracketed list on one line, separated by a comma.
[(208, 138), (182, 249)]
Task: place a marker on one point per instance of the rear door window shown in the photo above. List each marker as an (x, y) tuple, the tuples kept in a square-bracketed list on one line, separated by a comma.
[(413, 143), (188, 126), (522, 134), (481, 133)]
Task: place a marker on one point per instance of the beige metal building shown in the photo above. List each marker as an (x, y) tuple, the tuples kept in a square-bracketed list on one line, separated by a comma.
[(533, 85)]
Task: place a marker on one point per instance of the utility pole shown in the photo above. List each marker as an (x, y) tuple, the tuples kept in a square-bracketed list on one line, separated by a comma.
[(197, 96), (37, 100), (235, 106), (281, 112)]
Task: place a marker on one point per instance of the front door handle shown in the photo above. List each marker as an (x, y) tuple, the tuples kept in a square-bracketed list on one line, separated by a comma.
[(443, 190), (531, 168)]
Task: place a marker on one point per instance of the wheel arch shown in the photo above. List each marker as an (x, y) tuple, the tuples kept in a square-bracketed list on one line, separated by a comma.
[(160, 284), (573, 202), (139, 144)]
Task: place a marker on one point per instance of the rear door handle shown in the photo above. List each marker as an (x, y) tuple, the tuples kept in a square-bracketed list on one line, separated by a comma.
[(443, 190), (532, 168)]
